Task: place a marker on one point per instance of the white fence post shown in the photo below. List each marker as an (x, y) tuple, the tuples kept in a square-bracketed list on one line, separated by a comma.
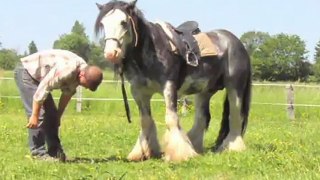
[(290, 101), (185, 105), (79, 99), (184, 109)]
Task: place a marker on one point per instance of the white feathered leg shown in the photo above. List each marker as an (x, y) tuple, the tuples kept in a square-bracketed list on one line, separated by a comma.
[(177, 144)]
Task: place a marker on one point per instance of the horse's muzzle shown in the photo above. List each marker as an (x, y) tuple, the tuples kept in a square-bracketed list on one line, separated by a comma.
[(113, 56)]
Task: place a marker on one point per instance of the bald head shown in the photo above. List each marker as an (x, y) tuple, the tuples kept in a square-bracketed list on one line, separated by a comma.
[(94, 76)]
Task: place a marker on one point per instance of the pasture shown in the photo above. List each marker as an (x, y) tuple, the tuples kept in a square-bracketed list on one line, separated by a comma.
[(98, 139)]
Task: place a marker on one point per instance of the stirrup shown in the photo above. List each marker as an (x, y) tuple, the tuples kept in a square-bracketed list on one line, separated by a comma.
[(193, 59)]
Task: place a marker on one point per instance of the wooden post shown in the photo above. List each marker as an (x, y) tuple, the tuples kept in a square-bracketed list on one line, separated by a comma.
[(290, 102), (184, 109), (185, 105), (79, 99)]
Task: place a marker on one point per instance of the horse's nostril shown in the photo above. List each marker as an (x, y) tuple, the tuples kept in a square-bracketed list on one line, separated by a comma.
[(116, 53), (110, 54)]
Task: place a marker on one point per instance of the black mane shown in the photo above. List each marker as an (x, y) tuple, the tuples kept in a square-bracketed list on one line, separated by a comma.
[(126, 7)]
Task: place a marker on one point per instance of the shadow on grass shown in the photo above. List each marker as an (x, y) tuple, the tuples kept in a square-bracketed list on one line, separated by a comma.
[(96, 160)]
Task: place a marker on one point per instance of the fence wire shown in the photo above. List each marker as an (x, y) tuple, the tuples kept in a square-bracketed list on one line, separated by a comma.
[(162, 100)]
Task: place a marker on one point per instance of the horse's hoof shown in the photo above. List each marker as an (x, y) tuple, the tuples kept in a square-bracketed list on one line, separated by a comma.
[(235, 144), (136, 157), (179, 156), (178, 147)]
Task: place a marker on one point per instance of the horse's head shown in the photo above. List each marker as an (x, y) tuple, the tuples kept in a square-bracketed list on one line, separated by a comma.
[(120, 32)]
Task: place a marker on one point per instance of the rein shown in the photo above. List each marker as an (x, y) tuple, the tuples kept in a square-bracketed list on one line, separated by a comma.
[(124, 95), (123, 89)]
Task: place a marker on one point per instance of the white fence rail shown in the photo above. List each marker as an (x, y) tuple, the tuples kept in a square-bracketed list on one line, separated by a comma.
[(290, 96)]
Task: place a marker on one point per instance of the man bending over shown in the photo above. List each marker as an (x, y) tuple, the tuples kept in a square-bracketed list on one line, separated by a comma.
[(36, 76)]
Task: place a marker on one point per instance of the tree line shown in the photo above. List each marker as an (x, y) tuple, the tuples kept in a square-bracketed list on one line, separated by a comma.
[(76, 41), (279, 57)]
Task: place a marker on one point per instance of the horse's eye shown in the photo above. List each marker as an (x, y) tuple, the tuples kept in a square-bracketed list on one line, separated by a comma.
[(124, 24)]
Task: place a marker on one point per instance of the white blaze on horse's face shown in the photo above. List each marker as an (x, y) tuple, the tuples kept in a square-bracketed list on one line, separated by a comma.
[(116, 26)]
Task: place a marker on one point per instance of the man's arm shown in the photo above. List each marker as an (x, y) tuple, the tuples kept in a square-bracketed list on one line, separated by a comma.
[(63, 102), (34, 118), (39, 97)]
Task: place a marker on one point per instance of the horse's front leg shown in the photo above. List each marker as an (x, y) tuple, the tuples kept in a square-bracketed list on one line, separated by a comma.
[(201, 120), (177, 145), (147, 145)]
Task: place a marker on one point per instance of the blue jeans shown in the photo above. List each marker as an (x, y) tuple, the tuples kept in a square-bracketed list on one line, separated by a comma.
[(48, 131)]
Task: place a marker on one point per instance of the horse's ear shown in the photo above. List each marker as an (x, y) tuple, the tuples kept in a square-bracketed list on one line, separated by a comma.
[(99, 6), (133, 3)]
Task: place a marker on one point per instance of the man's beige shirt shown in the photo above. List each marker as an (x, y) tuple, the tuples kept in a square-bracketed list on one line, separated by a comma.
[(54, 69)]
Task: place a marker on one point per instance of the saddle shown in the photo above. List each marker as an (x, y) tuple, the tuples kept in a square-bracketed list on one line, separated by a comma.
[(190, 49), (182, 38), (188, 26)]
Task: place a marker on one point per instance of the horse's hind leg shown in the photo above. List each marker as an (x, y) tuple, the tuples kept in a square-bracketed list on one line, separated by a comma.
[(147, 145), (232, 126), (177, 144), (201, 121)]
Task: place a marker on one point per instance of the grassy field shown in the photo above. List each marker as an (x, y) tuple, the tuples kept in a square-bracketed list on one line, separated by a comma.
[(98, 140)]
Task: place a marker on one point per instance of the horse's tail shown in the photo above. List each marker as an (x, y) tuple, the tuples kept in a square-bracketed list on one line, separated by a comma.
[(224, 128), (246, 104)]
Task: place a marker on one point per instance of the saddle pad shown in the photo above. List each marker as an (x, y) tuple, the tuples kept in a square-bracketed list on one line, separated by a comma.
[(206, 46)]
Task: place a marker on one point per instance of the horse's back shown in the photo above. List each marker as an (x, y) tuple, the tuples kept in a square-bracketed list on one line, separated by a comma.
[(232, 55), (224, 39), (229, 46)]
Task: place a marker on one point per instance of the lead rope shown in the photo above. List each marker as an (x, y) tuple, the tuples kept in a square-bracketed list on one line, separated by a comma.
[(135, 31), (124, 95)]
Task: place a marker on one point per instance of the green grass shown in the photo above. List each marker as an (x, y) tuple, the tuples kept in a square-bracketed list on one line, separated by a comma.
[(98, 140)]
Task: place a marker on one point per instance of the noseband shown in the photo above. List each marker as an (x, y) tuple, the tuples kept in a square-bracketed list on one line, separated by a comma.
[(114, 39)]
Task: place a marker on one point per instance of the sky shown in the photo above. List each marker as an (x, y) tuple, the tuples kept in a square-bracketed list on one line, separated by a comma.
[(43, 21)]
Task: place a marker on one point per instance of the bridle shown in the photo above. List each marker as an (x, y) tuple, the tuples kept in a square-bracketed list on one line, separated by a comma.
[(114, 39), (133, 24), (124, 93), (136, 37)]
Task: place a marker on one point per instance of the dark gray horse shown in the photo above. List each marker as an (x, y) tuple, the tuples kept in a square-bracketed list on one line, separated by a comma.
[(141, 48)]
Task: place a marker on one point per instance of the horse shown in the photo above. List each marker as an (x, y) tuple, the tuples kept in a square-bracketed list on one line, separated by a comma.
[(141, 49)]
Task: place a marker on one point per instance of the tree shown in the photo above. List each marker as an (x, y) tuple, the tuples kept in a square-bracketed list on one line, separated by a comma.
[(96, 57), (77, 41), (282, 58), (8, 59), (32, 48), (316, 66), (78, 28), (252, 40), (74, 43), (317, 53)]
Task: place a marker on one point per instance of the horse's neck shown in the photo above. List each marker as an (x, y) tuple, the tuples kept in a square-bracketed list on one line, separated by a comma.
[(142, 58), (137, 54)]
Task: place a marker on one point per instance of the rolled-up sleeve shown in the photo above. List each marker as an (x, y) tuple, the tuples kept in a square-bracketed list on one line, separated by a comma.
[(46, 85)]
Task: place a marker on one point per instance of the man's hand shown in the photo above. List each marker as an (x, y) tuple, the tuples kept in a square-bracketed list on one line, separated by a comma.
[(34, 118), (33, 122)]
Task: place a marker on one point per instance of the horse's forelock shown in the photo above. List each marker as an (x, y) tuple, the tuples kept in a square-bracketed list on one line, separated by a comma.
[(128, 8)]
